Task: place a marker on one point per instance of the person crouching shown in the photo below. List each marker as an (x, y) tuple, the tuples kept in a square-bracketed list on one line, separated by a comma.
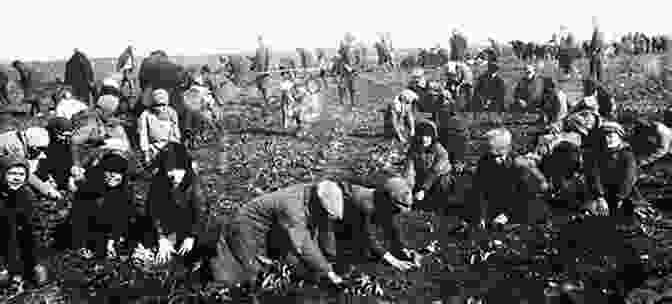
[(101, 208), (428, 165), (175, 201), (503, 179), (611, 173)]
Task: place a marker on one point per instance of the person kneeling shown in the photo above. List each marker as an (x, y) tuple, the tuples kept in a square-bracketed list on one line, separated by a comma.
[(101, 208)]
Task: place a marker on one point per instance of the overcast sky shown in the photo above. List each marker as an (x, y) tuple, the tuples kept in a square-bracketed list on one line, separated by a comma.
[(51, 29)]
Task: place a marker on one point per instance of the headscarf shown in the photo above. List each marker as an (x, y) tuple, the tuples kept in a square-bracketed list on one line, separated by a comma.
[(36, 137), (331, 198), (114, 162), (398, 191)]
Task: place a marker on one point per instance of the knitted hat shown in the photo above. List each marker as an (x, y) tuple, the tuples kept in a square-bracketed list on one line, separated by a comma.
[(114, 162)]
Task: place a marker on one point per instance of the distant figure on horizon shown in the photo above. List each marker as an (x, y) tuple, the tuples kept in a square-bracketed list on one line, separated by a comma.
[(126, 65), (262, 63), (79, 75), (596, 51)]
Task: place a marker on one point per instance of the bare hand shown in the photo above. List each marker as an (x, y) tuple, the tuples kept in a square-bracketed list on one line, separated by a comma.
[(187, 246)]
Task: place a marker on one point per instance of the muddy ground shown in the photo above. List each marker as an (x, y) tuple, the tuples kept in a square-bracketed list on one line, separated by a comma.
[(589, 261)]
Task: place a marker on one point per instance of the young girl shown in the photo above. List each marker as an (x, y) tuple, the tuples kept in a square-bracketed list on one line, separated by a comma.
[(158, 125), (174, 202), (101, 208), (16, 229)]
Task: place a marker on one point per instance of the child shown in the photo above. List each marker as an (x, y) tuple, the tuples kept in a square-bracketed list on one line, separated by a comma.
[(101, 207), (16, 200)]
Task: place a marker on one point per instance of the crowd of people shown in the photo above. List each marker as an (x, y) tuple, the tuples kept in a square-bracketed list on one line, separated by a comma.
[(88, 149)]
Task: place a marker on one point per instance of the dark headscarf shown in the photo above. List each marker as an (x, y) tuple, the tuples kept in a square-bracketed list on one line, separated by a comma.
[(114, 163)]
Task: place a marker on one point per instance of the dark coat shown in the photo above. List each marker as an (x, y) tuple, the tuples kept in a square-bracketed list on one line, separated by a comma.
[(490, 88), (364, 212), (502, 187), (176, 210), (16, 228), (79, 75), (99, 213), (611, 174)]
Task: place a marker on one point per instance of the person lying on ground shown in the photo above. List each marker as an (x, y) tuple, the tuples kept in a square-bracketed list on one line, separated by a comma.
[(16, 201), (29, 144), (175, 202), (504, 181), (399, 117), (102, 206), (428, 165), (158, 126)]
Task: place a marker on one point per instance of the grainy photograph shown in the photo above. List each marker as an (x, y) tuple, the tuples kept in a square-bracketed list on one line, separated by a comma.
[(338, 152)]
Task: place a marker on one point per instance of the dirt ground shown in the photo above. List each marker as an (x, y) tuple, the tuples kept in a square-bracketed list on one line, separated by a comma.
[(595, 261)]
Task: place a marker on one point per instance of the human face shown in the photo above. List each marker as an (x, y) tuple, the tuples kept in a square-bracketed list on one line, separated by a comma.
[(113, 179), (176, 176), (15, 177), (160, 98), (426, 141)]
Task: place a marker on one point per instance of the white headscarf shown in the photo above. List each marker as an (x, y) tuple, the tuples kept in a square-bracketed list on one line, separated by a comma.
[(331, 198)]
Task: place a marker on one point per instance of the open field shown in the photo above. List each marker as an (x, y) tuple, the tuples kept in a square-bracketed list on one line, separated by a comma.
[(604, 265)]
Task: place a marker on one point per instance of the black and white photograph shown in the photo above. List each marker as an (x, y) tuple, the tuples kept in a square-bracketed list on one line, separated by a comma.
[(336, 152)]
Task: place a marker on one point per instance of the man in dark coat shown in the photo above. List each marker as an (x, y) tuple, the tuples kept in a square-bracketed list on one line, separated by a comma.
[(347, 69), (262, 64), (79, 75), (596, 52), (458, 46)]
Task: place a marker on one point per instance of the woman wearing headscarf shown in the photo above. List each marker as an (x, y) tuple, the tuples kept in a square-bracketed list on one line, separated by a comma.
[(175, 202), (158, 126), (611, 172), (29, 144), (79, 75), (102, 207), (502, 181), (428, 164), (16, 201), (351, 216)]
